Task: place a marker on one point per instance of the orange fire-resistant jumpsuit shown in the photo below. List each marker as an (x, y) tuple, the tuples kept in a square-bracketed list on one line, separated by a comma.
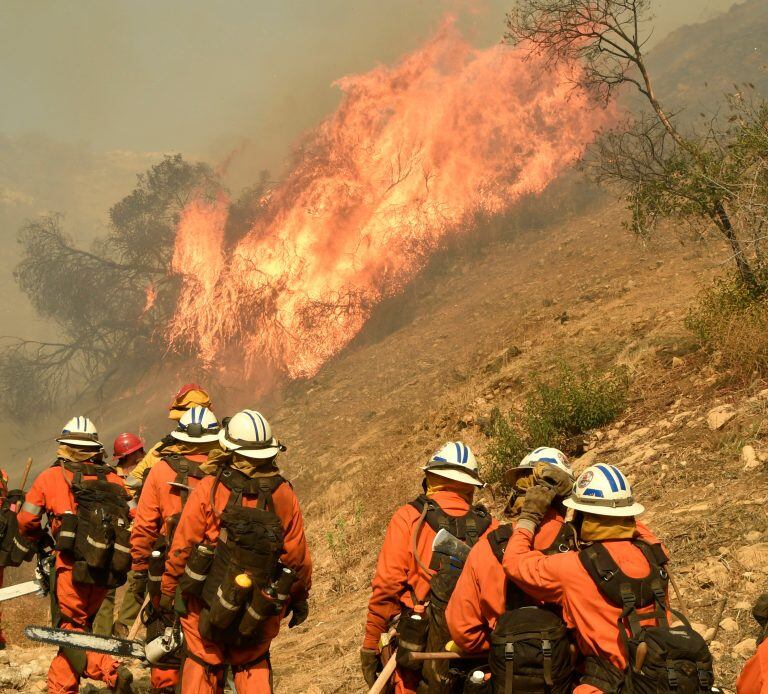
[(478, 598), (157, 503), (78, 603), (200, 524), (398, 575), (3, 494), (754, 677), (563, 580)]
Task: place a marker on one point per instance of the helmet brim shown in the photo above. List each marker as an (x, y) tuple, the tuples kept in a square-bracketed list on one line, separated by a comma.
[(596, 510), (253, 453), (118, 456), (513, 474), (205, 438), (455, 475), (82, 443)]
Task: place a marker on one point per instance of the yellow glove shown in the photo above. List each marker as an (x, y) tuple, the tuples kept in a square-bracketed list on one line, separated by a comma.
[(451, 647)]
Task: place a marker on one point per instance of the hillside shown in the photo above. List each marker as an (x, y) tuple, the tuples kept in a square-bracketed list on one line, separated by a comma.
[(696, 62)]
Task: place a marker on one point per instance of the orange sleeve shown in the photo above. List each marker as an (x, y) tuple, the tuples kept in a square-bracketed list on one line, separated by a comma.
[(390, 579), (752, 679), (295, 548), (468, 627), (535, 573), (30, 516), (190, 532), (147, 523)]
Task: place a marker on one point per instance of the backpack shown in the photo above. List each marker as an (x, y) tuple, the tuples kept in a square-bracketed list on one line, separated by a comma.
[(250, 541), (468, 528), (660, 658), (14, 549), (531, 649), (184, 469), (97, 536)]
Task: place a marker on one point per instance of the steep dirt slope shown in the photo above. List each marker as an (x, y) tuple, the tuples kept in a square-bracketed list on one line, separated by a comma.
[(582, 290)]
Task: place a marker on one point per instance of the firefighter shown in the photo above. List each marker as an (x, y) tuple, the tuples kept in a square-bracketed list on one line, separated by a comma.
[(189, 395), (609, 590), (90, 559), (481, 594), (405, 568), (165, 491), (128, 451), (3, 497), (753, 679), (241, 534)]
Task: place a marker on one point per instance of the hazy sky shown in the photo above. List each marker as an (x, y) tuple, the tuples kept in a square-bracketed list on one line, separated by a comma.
[(199, 76)]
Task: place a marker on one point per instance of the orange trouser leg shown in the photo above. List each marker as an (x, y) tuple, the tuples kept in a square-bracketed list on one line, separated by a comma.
[(196, 678), (2, 635), (257, 678), (78, 604), (163, 678), (406, 681)]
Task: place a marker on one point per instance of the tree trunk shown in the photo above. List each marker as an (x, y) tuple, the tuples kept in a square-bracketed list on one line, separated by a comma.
[(723, 222)]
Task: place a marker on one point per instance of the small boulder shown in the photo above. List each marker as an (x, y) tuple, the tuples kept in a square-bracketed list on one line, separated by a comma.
[(677, 362), (745, 648), (750, 459), (754, 557), (753, 536), (712, 574), (729, 624), (718, 417)]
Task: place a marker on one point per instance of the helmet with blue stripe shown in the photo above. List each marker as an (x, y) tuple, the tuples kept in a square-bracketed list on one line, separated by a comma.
[(248, 433), (80, 431), (603, 490), (455, 461), (543, 454), (197, 425)]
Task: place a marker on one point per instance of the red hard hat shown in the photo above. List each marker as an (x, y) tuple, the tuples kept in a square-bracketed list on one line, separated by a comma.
[(126, 443), (184, 390)]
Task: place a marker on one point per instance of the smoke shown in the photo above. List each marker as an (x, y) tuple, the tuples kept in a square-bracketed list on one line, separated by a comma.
[(411, 154)]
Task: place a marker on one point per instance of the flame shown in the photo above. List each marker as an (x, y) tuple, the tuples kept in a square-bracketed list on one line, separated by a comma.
[(412, 152), (150, 293)]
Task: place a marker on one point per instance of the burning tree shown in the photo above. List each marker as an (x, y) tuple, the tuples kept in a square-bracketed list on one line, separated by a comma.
[(110, 303), (663, 172)]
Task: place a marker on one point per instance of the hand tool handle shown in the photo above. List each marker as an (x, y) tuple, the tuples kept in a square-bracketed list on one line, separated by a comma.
[(386, 673), (137, 622)]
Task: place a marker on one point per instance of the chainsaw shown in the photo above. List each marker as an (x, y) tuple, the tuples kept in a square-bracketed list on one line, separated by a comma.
[(154, 652)]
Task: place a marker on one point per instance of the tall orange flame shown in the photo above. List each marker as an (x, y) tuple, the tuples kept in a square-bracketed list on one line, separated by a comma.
[(410, 154)]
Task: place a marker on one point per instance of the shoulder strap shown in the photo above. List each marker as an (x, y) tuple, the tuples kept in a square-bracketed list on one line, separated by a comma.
[(626, 592), (468, 528), (477, 521), (565, 540), (514, 597), (498, 540), (240, 485)]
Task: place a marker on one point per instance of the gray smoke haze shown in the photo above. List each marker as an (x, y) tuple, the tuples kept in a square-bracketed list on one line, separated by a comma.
[(94, 92)]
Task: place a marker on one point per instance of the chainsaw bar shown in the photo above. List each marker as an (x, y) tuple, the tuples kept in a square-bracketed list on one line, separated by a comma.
[(121, 648), (29, 588)]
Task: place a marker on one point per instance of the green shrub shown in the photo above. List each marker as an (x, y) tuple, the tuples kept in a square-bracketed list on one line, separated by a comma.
[(731, 320), (557, 412)]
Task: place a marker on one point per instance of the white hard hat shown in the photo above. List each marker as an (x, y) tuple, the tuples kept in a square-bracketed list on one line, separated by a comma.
[(603, 490), (197, 425), (543, 454), (455, 461), (80, 431), (250, 435)]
